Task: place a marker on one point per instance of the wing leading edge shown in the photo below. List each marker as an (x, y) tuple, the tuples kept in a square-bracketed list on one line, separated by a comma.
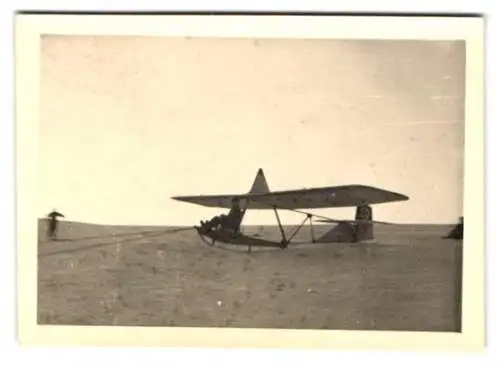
[(313, 198)]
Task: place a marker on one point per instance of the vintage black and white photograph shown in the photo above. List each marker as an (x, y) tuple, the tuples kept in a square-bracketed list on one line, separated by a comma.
[(251, 182)]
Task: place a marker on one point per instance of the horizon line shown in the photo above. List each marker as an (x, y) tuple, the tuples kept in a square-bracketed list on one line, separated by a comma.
[(248, 225)]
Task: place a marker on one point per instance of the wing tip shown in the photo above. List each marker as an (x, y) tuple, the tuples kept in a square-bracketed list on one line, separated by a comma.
[(392, 196), (401, 197), (181, 198)]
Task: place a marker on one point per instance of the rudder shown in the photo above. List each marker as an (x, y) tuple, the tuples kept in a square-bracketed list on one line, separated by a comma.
[(364, 231)]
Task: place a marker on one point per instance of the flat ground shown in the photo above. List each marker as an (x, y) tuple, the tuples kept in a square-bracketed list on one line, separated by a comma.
[(140, 276)]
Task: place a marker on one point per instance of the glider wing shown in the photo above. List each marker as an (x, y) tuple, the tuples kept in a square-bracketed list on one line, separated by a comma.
[(313, 198)]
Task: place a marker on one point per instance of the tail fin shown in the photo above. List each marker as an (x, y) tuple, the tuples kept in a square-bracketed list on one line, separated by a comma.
[(364, 231), (260, 183)]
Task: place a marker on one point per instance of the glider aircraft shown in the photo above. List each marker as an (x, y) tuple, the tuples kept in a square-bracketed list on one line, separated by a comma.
[(226, 229)]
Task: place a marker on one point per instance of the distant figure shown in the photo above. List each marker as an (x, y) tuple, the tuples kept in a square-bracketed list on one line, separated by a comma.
[(52, 230), (231, 220), (460, 228), (457, 233)]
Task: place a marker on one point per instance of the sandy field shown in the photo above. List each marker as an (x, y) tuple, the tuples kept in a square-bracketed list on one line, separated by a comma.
[(407, 279)]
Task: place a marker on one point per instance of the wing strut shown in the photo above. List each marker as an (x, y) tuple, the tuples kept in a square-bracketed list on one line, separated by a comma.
[(321, 217), (284, 241), (312, 229), (300, 226)]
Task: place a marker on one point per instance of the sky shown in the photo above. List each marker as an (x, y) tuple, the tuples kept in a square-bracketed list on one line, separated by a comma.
[(128, 122)]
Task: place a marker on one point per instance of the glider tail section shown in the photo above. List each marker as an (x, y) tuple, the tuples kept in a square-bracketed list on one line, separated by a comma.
[(364, 231), (352, 231)]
